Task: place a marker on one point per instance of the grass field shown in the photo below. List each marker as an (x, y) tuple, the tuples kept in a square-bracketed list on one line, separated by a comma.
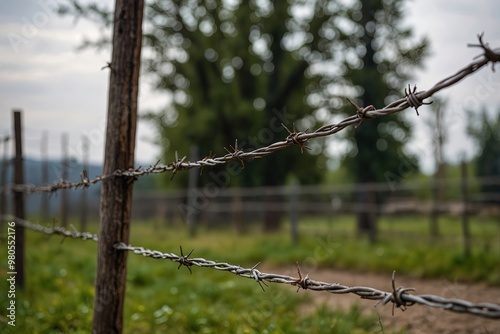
[(60, 272)]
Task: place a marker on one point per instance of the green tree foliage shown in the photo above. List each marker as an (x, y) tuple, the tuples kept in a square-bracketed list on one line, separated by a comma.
[(484, 130), (237, 70)]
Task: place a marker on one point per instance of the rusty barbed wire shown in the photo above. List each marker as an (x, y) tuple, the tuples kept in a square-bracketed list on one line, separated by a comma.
[(413, 99), (400, 297)]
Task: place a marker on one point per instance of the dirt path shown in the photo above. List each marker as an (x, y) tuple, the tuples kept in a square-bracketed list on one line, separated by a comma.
[(416, 319)]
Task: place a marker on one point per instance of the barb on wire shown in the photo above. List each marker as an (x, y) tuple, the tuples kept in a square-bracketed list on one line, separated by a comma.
[(293, 137), (361, 112), (185, 261), (400, 297), (235, 153), (412, 99), (492, 55)]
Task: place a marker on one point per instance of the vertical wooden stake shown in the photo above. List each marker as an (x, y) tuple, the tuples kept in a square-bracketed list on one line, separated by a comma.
[(433, 222), (465, 213), (44, 200), (83, 199), (3, 178), (294, 213), (116, 192), (192, 193), (64, 177), (19, 198)]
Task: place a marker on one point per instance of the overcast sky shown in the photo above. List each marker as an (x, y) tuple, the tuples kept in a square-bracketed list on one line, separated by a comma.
[(61, 90)]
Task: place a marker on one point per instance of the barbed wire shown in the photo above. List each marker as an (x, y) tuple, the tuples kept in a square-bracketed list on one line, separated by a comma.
[(412, 99), (400, 297), (55, 186), (57, 230)]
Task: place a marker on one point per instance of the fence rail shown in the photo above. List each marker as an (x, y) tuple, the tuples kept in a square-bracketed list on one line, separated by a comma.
[(400, 297), (412, 99)]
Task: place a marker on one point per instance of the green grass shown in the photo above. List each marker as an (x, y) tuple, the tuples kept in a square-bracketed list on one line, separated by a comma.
[(60, 274), (404, 245)]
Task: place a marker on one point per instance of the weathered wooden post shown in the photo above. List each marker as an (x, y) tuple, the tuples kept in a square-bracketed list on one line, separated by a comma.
[(44, 200), (192, 215), (294, 211), (3, 177), (83, 199), (465, 212), (64, 177), (116, 192)]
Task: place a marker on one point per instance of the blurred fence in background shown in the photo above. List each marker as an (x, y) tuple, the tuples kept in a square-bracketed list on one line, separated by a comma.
[(248, 205), (236, 206)]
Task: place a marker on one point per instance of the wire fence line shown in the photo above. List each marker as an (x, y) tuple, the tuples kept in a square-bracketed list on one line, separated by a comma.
[(56, 230), (412, 99), (400, 297)]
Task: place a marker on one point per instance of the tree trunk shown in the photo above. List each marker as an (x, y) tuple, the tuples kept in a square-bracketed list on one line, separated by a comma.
[(272, 221), (116, 192), (367, 213), (237, 210), (367, 135), (272, 218)]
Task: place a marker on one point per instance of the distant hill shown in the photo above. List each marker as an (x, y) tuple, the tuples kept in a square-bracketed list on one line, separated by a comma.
[(33, 175)]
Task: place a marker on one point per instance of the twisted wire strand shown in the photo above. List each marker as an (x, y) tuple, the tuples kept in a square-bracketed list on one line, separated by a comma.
[(56, 230), (400, 297)]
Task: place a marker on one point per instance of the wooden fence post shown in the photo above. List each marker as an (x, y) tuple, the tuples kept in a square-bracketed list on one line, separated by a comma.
[(44, 199), (64, 177), (19, 198), (83, 199), (434, 214), (192, 215), (116, 192), (465, 212), (294, 211), (3, 177)]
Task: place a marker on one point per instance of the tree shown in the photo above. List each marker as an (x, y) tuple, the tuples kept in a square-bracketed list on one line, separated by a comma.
[(226, 68), (236, 71), (484, 131)]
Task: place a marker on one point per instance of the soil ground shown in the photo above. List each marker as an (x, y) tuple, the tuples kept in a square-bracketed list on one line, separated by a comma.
[(417, 318)]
